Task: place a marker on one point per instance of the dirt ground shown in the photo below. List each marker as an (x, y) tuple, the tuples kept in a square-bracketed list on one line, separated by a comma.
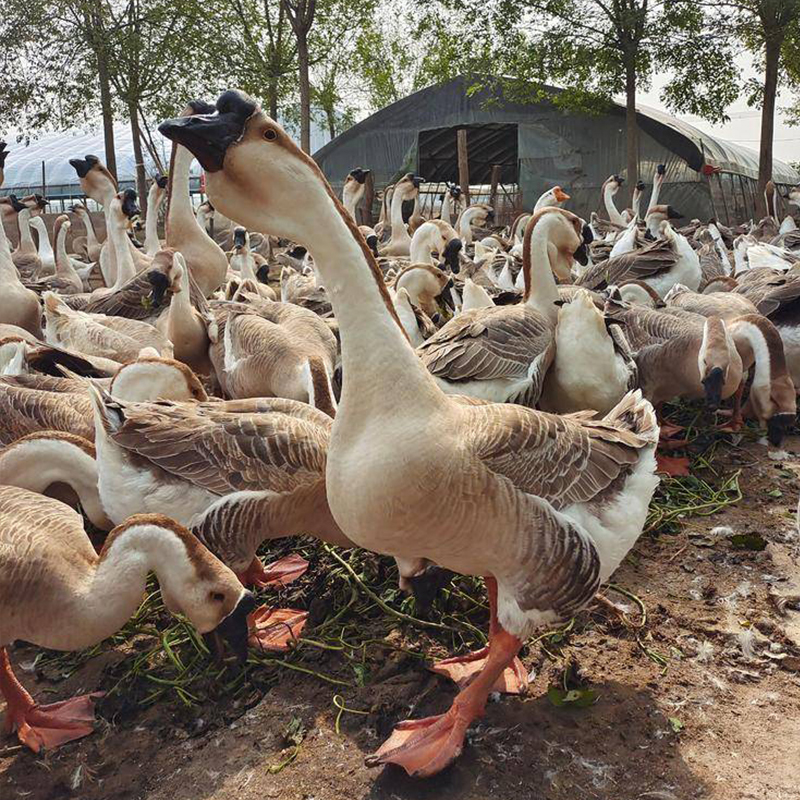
[(702, 701)]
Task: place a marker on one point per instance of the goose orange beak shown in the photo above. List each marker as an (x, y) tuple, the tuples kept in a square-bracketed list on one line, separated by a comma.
[(560, 194)]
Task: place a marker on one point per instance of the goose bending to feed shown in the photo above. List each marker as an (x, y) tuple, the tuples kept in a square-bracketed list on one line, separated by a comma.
[(354, 189), (155, 197), (502, 353), (480, 214), (427, 286), (535, 500), (18, 305), (439, 236), (58, 464), (57, 592)]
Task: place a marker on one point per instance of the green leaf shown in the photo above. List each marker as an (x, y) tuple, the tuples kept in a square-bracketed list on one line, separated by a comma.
[(573, 698), (775, 493), (676, 725), (748, 541)]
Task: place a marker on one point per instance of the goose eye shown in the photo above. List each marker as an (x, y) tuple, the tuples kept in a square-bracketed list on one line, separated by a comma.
[(270, 134), (217, 597)]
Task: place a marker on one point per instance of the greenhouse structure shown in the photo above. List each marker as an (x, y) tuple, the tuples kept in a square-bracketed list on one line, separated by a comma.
[(534, 146)]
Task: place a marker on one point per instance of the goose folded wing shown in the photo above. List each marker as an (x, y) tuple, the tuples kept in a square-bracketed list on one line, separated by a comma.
[(224, 452), (487, 343), (562, 459), (648, 262)]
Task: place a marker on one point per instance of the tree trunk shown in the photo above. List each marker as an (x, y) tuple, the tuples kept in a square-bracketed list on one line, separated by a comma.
[(305, 91), (108, 115), (772, 56), (330, 113), (272, 98), (141, 177), (631, 128)]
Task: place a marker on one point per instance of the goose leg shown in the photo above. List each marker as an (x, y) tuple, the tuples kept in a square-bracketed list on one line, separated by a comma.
[(734, 424), (462, 670), (423, 747), (46, 726)]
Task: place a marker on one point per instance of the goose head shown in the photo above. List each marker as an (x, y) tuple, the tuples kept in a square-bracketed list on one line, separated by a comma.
[(197, 584), (241, 241), (427, 286), (96, 181), (158, 189), (151, 377), (794, 196), (124, 209), (370, 237), (354, 186), (555, 197), (612, 184), (713, 359)]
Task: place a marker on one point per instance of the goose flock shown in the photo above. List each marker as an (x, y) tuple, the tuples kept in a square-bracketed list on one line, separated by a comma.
[(446, 391)]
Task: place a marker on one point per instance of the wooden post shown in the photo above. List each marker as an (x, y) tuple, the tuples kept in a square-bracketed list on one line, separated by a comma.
[(463, 164), (496, 168), (369, 199)]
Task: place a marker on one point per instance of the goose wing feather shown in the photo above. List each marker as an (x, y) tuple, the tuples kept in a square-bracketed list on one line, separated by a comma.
[(487, 343), (222, 451), (651, 260)]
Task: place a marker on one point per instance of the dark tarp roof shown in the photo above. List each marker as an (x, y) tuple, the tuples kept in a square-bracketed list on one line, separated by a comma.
[(550, 146)]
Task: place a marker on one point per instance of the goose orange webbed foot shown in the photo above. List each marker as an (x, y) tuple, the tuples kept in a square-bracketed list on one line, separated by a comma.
[(279, 573), (423, 747), (275, 629), (49, 726), (462, 670), (673, 466)]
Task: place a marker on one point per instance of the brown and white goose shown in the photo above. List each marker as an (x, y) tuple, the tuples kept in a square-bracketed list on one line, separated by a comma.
[(243, 260), (534, 501), (57, 592), (502, 353), (659, 212)]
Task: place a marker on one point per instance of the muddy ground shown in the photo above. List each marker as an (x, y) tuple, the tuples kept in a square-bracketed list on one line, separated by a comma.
[(701, 701)]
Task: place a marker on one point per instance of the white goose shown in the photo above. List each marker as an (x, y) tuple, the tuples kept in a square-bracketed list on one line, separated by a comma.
[(609, 188), (353, 190), (534, 501), (407, 188), (57, 592), (155, 197)]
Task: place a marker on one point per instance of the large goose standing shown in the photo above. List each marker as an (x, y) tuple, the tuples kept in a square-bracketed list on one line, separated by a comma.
[(57, 592), (18, 306), (534, 502)]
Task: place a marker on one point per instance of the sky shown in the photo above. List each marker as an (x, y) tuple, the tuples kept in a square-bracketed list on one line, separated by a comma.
[(745, 122)]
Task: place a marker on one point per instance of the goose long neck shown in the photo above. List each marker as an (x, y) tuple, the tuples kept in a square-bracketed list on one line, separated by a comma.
[(45, 248), (398, 226), (38, 463), (91, 236), (25, 235), (63, 264), (421, 248), (179, 209), (377, 359), (656, 191), (130, 553), (611, 209), (122, 253), (447, 208), (151, 241), (8, 272), (541, 292)]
